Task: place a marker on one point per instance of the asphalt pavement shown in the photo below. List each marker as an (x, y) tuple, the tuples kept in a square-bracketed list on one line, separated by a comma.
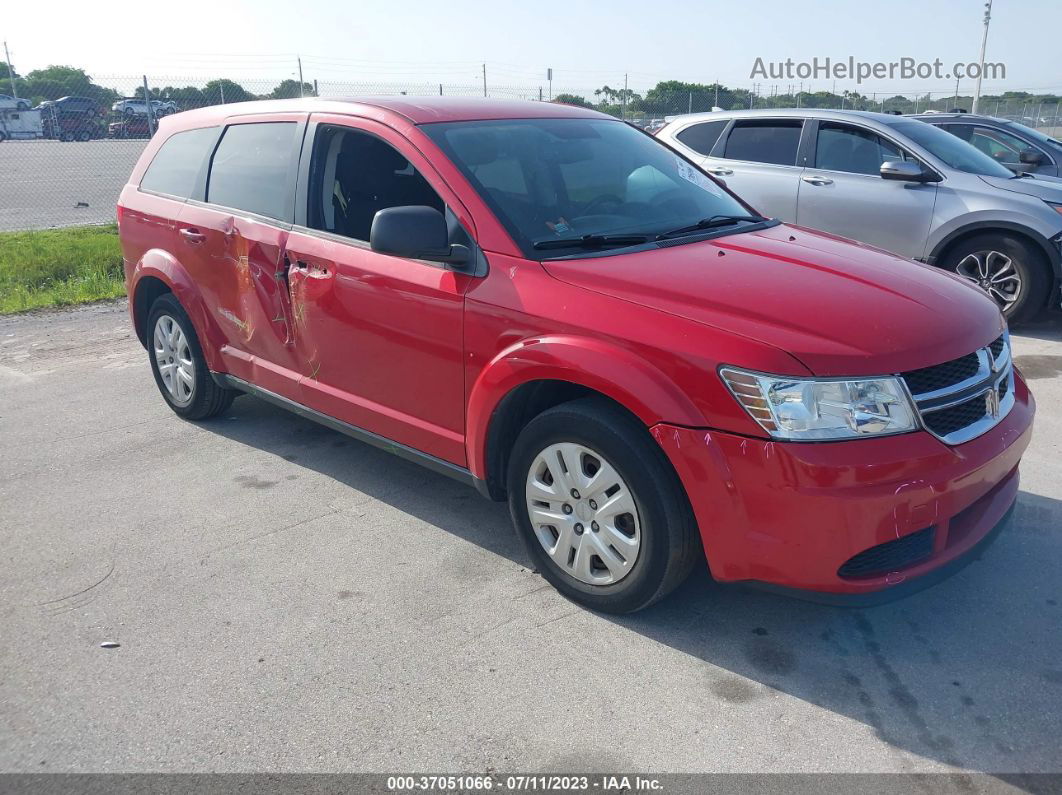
[(56, 183), (287, 599)]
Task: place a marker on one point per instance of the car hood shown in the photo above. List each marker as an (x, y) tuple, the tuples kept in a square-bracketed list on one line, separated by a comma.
[(841, 308), (1041, 186)]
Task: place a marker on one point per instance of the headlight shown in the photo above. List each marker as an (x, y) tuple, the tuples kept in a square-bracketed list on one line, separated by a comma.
[(1056, 207), (814, 409)]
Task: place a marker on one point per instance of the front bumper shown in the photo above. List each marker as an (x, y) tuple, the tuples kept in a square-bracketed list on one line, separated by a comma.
[(789, 515)]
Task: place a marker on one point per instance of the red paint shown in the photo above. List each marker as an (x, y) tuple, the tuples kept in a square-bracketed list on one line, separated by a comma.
[(423, 355)]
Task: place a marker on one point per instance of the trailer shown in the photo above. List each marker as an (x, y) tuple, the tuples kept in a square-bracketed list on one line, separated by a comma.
[(20, 124)]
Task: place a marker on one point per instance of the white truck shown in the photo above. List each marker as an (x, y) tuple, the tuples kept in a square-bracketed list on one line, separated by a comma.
[(20, 124)]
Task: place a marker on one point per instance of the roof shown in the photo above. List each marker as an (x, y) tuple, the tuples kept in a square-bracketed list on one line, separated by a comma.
[(793, 113), (418, 110), (963, 116)]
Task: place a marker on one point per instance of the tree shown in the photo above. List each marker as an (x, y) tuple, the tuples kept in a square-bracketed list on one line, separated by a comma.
[(289, 89), (61, 81), (4, 74), (224, 91), (572, 99)]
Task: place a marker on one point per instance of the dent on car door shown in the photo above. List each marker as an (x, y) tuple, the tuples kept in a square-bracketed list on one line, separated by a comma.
[(759, 161), (379, 337), (239, 234), (842, 191)]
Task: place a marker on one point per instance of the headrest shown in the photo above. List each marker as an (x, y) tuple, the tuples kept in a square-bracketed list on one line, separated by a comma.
[(364, 151)]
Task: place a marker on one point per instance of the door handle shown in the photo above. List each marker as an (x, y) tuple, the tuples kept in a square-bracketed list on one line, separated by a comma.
[(192, 235), (719, 171), (817, 180)]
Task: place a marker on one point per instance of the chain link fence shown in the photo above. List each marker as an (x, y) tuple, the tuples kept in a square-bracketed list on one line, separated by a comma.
[(67, 150)]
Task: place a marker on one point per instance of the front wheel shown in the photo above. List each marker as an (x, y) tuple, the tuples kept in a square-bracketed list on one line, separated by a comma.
[(178, 365), (1012, 272), (598, 507)]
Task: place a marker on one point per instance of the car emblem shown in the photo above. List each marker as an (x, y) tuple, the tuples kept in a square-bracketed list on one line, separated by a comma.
[(992, 403)]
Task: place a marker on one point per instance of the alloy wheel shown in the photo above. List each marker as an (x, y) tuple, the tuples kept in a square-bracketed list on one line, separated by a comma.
[(173, 358), (583, 514), (995, 273)]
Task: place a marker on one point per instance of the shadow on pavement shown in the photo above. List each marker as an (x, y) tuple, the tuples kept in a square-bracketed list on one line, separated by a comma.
[(968, 673)]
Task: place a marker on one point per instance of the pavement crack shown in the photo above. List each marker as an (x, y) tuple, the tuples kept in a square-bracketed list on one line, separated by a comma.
[(99, 582), (561, 617), (260, 536)]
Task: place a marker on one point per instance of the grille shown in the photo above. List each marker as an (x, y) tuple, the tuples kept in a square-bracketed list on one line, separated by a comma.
[(956, 418), (941, 376), (967, 382), (890, 556), (998, 346)]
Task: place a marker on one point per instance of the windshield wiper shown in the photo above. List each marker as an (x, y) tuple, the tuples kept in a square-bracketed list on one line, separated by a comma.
[(591, 241), (710, 223)]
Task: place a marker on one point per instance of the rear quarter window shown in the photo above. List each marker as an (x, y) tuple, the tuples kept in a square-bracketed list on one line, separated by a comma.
[(768, 141), (250, 169), (176, 165), (702, 137)]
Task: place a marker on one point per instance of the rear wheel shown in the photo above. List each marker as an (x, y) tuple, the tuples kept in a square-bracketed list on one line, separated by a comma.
[(178, 365), (598, 507), (1006, 267)]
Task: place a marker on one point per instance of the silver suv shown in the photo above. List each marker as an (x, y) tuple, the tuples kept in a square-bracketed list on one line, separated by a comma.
[(1016, 146), (895, 183)]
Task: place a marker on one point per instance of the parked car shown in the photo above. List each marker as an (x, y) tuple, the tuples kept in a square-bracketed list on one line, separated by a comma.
[(1019, 148), (893, 182), (548, 304), (137, 107), (130, 127), (14, 103), (80, 106)]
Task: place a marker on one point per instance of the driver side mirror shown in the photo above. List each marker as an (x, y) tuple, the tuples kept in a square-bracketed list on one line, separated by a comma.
[(1031, 157), (415, 232), (907, 171)]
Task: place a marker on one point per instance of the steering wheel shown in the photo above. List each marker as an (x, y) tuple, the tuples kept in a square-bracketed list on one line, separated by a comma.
[(593, 206)]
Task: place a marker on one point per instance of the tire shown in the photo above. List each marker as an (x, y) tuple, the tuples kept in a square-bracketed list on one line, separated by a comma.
[(204, 398), (981, 258), (23, 106), (84, 135), (66, 137), (657, 542)]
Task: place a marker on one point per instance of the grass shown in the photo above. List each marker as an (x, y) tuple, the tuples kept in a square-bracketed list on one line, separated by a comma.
[(59, 267)]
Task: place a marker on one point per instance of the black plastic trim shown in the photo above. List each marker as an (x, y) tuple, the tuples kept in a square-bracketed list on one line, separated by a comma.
[(459, 474)]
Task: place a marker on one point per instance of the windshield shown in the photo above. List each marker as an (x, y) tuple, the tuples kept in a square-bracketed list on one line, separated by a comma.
[(954, 151), (1036, 135), (555, 180)]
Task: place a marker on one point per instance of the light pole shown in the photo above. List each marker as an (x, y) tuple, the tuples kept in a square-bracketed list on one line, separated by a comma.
[(981, 64)]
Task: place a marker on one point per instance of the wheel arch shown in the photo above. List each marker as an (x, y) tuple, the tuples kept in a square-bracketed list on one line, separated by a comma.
[(158, 273), (532, 376), (944, 246)]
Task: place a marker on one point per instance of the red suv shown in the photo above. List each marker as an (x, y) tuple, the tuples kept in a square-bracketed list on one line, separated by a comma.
[(551, 305)]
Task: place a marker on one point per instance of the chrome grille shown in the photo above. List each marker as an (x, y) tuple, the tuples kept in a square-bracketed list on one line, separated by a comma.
[(961, 399)]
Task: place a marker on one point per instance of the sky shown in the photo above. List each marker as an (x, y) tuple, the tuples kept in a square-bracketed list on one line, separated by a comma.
[(587, 44)]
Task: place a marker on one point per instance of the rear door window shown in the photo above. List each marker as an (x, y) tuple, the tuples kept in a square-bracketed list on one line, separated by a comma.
[(251, 169), (764, 141), (176, 165), (702, 137)]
